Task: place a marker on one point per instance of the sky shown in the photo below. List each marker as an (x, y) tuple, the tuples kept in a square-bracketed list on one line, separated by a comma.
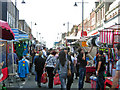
[(50, 15)]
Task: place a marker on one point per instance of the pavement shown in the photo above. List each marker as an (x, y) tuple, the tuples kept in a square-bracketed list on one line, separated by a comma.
[(30, 83)]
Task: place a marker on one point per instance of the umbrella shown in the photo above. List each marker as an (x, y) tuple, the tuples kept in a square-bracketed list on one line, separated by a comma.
[(5, 31)]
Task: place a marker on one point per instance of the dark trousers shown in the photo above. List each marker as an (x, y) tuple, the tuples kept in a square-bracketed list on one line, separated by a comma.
[(70, 81), (39, 75), (77, 68), (100, 81), (50, 75), (82, 72)]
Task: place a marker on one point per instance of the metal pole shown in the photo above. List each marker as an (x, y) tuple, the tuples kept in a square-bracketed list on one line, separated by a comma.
[(82, 16), (15, 12), (68, 29), (31, 26)]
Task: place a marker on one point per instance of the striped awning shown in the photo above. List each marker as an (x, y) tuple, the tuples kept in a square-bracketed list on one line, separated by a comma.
[(20, 34)]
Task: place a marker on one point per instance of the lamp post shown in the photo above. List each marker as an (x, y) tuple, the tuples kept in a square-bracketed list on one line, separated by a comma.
[(67, 28), (23, 2), (32, 24), (82, 13)]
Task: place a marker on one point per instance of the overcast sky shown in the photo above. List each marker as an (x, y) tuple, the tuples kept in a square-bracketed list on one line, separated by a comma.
[(50, 15)]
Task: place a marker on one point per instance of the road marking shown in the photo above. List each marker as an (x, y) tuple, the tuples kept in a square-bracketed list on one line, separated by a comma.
[(21, 86), (23, 82)]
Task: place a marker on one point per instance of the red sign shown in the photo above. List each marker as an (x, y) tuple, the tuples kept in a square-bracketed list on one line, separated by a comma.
[(84, 33)]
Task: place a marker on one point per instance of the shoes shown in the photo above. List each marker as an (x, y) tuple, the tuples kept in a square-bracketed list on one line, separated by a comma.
[(22, 79), (76, 78), (39, 85)]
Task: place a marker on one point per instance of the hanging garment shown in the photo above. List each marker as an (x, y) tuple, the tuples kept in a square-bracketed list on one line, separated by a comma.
[(19, 49), (23, 68), (25, 49)]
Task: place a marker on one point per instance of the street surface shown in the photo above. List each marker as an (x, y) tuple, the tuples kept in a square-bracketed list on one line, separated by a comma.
[(31, 83)]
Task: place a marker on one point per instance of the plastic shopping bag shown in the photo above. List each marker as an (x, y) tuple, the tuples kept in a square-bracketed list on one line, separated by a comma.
[(57, 80), (44, 78)]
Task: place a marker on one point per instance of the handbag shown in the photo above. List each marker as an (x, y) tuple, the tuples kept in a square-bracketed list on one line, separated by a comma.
[(44, 78), (69, 71), (57, 80)]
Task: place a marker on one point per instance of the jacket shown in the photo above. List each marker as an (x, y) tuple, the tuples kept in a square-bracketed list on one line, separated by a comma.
[(23, 68), (39, 64)]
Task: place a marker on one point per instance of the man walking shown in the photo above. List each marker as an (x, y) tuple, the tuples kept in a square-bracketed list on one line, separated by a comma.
[(82, 68), (100, 68)]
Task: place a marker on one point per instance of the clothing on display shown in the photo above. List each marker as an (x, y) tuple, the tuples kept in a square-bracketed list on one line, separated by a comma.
[(23, 68), (19, 49), (25, 49)]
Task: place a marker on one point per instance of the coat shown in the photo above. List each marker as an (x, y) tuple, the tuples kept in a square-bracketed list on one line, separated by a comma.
[(39, 64), (23, 68)]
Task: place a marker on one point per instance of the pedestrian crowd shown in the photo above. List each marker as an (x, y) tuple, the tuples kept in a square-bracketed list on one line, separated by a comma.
[(64, 65), (67, 64), (62, 62)]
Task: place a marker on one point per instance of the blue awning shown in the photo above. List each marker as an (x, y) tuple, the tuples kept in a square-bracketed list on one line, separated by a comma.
[(20, 34)]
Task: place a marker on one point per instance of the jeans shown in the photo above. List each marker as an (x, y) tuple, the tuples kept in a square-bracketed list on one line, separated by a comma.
[(63, 78), (82, 72), (100, 81)]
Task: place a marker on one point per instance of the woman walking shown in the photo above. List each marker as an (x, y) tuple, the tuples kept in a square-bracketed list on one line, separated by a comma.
[(50, 65), (63, 66), (39, 66)]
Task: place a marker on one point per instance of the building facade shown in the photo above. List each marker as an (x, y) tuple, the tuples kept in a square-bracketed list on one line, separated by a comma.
[(9, 13), (24, 26)]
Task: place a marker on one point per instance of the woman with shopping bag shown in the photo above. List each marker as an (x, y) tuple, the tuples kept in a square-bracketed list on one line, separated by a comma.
[(57, 80), (39, 66), (64, 69), (50, 65)]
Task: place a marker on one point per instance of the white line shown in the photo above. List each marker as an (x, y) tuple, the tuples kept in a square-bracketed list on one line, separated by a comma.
[(21, 86), (23, 82)]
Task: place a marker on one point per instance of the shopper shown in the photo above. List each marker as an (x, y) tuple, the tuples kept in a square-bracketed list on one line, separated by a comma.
[(100, 68), (33, 54), (62, 65), (69, 78), (117, 73), (44, 52), (73, 64), (82, 69), (33, 66), (39, 65), (50, 65)]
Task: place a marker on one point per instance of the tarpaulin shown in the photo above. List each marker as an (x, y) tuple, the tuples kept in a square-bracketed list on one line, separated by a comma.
[(4, 74)]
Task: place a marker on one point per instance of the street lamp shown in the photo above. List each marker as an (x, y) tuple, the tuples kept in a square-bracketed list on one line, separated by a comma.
[(32, 24), (23, 2), (82, 13)]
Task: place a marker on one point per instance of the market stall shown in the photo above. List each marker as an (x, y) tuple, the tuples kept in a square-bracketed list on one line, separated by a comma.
[(6, 35), (109, 38)]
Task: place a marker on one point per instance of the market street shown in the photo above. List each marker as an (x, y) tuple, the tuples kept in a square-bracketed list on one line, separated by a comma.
[(59, 44)]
